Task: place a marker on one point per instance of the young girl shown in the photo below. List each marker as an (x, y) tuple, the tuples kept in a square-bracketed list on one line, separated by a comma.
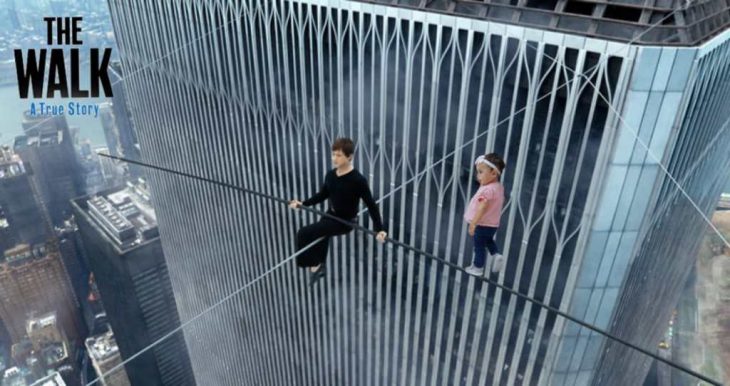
[(484, 211)]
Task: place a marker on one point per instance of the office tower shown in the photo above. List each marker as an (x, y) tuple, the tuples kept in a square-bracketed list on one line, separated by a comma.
[(37, 124), (111, 133), (71, 249), (122, 116), (116, 119), (120, 235), (112, 170), (22, 218), (571, 94), (126, 133), (104, 354), (33, 282), (51, 160)]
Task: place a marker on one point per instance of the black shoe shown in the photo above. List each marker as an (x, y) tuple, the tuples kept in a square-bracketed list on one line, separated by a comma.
[(314, 277)]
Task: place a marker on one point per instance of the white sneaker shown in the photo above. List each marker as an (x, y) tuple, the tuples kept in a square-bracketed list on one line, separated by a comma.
[(498, 263), (473, 270)]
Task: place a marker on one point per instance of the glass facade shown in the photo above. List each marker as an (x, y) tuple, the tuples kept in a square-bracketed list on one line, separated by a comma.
[(691, 137)]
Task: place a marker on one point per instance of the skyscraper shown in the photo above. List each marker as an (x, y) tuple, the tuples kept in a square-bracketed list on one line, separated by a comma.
[(119, 231), (50, 157), (22, 218), (33, 282), (37, 124), (75, 263), (126, 133), (122, 117), (588, 121), (111, 134)]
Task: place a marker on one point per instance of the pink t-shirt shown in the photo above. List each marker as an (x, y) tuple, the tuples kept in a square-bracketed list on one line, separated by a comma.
[(493, 194)]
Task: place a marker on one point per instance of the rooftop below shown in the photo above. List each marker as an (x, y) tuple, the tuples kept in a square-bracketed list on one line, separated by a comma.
[(51, 380), (10, 163), (124, 213), (102, 347), (47, 138), (22, 253), (43, 321)]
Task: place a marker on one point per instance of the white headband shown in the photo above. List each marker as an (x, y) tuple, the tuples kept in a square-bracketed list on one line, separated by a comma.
[(482, 160)]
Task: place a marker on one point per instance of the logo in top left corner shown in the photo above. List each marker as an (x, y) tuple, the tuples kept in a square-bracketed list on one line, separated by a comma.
[(57, 70)]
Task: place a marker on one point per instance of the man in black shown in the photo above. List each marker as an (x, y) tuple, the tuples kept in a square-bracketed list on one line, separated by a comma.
[(344, 186)]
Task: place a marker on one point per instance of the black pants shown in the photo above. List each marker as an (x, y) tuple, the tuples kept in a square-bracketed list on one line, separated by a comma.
[(317, 254)]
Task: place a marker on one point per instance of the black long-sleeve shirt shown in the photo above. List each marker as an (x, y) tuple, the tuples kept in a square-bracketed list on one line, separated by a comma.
[(344, 193)]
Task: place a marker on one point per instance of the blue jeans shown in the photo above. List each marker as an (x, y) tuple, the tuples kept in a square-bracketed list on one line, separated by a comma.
[(483, 240)]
